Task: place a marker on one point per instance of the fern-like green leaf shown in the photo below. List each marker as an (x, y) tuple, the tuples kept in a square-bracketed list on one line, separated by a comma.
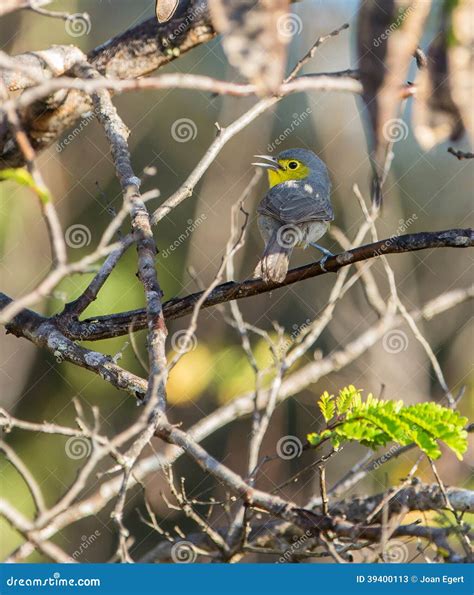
[(457, 442), (441, 423), (375, 422), (363, 431), (347, 398), (327, 406)]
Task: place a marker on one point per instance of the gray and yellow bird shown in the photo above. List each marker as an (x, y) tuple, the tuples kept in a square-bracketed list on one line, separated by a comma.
[(295, 212)]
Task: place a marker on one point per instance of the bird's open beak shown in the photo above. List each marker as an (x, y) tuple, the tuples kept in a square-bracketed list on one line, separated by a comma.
[(272, 165)]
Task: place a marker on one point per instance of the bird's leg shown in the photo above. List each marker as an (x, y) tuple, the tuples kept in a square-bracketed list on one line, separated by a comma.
[(326, 254)]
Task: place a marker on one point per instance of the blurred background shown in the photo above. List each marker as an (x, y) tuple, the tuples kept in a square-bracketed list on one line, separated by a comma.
[(433, 190)]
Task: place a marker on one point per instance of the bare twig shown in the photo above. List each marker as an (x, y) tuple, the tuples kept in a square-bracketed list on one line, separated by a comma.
[(460, 155)]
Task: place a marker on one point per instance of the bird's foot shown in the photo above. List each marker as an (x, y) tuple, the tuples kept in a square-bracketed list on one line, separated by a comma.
[(323, 261), (326, 254)]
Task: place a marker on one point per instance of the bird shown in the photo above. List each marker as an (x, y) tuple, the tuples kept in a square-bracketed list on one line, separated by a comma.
[(295, 212)]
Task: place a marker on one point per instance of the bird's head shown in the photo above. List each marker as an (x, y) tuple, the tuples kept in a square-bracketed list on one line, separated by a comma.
[(292, 164)]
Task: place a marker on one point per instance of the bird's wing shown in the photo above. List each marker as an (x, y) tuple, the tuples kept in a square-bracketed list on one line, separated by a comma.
[(297, 202)]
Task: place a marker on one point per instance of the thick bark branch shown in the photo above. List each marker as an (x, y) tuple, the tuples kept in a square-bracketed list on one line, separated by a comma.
[(43, 333), (115, 325), (415, 497), (134, 53)]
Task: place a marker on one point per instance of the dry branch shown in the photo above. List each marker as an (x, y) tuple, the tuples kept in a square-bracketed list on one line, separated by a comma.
[(119, 324), (131, 54)]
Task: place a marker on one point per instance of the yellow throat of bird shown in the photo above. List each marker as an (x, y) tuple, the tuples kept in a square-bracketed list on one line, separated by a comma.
[(283, 175)]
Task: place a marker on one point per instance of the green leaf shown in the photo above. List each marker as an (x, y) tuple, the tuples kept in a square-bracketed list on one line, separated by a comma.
[(24, 178), (347, 398), (363, 431), (315, 439), (327, 405), (375, 422), (336, 441)]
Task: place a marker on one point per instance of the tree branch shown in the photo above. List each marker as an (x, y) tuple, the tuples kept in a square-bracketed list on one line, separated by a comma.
[(417, 496), (115, 325), (13, 5), (134, 53), (240, 407), (460, 155), (42, 332)]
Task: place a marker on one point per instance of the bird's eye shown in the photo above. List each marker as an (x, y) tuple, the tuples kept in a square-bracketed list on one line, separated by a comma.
[(293, 165)]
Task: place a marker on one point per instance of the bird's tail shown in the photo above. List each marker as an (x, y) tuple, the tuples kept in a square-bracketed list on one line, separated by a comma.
[(274, 263)]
